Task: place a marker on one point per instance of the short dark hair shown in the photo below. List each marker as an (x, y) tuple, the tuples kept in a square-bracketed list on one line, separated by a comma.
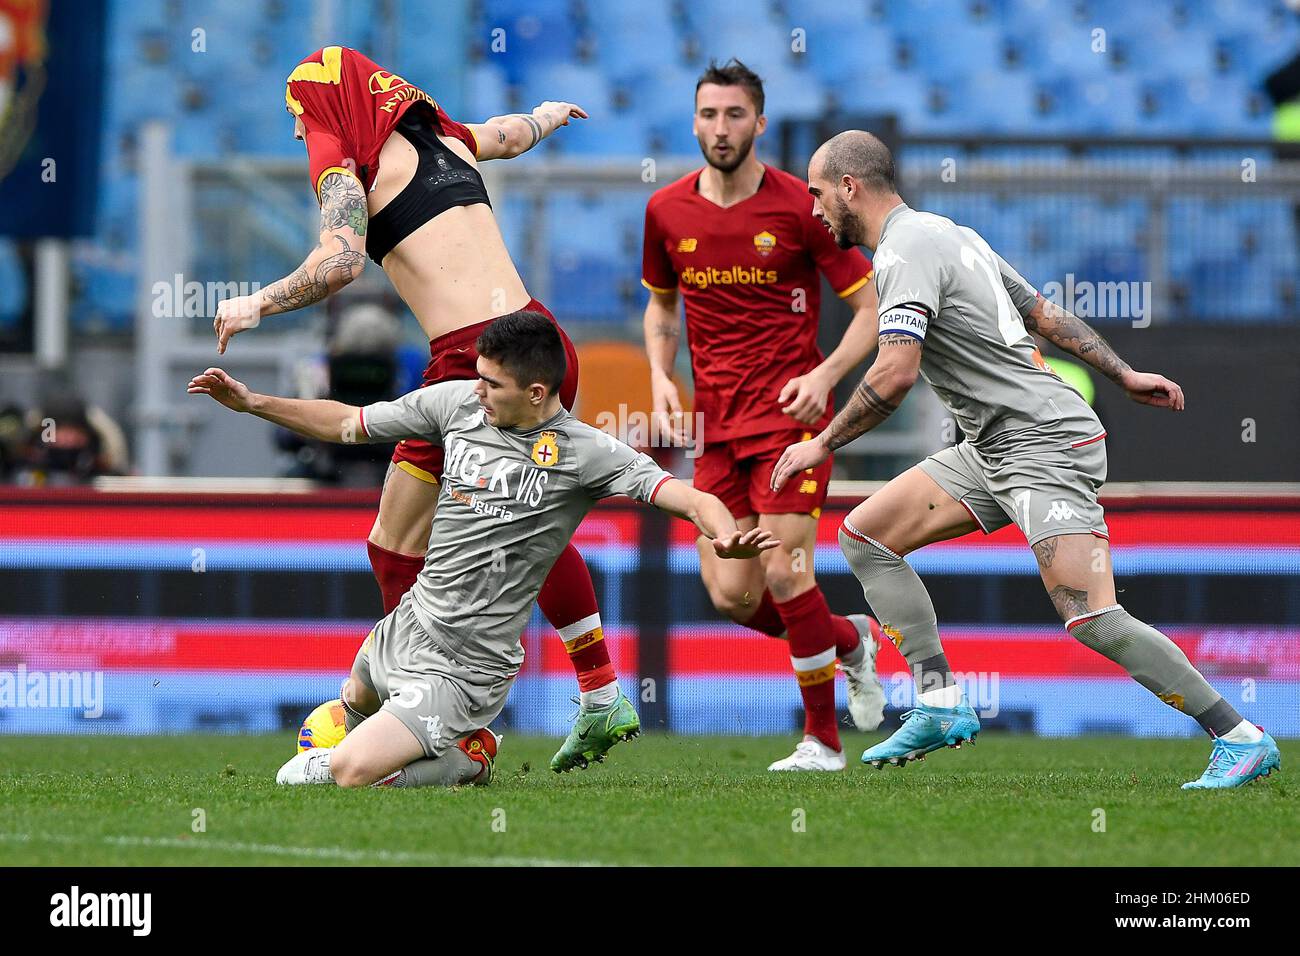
[(862, 156), (733, 73), (528, 346)]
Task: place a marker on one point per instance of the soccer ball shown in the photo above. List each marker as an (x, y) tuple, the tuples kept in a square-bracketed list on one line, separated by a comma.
[(323, 727)]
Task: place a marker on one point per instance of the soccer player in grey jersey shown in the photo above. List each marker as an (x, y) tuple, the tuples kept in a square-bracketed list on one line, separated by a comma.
[(952, 311), (520, 474)]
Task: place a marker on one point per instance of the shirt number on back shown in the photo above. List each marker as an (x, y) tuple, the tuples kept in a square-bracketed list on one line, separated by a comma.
[(1010, 324)]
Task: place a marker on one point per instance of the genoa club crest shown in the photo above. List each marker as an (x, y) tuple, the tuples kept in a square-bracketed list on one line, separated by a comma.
[(546, 450)]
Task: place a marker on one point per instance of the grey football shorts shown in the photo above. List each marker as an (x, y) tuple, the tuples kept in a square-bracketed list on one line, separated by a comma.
[(439, 699), (1045, 493)]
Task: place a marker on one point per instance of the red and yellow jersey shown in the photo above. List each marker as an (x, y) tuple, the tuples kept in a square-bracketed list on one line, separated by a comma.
[(349, 106), (748, 275)]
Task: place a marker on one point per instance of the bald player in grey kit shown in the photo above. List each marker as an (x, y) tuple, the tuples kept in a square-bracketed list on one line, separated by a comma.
[(520, 474), (1034, 453)]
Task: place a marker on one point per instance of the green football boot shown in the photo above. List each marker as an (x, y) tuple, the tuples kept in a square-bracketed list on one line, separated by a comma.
[(594, 732)]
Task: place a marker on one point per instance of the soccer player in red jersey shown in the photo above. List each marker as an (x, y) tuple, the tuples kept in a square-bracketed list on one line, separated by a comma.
[(397, 179), (738, 243)]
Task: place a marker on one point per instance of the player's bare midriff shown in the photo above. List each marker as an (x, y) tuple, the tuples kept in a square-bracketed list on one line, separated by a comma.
[(454, 270)]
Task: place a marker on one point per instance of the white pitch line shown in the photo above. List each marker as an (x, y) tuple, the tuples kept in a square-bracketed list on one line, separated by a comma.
[(307, 852)]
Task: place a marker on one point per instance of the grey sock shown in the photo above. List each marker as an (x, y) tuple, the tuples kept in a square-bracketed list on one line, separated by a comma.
[(1157, 663), (901, 604), (452, 769), (351, 718)]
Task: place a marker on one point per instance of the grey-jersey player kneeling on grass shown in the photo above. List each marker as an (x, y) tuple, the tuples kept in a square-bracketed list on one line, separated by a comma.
[(520, 474), (1034, 453)]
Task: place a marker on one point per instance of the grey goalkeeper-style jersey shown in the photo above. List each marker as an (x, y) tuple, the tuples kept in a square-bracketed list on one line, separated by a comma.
[(941, 283), (508, 505)]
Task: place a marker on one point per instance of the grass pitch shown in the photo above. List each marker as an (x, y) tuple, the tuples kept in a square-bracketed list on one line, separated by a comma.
[(660, 800)]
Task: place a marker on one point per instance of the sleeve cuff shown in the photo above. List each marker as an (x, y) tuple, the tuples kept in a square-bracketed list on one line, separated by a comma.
[(659, 484), (334, 169), (845, 293), (361, 414), (659, 289)]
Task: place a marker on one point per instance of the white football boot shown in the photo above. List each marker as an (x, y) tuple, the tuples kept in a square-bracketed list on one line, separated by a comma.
[(811, 755), (307, 766), (866, 694)]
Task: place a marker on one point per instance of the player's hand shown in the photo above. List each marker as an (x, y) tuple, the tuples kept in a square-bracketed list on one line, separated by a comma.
[(806, 397), (1148, 388), (215, 382), (235, 315), (744, 544), (559, 113), (666, 409), (797, 458)]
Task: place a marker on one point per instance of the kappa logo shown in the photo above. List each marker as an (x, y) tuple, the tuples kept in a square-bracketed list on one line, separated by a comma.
[(433, 727), (764, 243), (886, 260), (687, 245), (893, 633), (1059, 511), (546, 450)]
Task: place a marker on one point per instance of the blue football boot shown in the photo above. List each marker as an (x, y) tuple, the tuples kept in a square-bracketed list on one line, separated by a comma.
[(1235, 765), (925, 729)]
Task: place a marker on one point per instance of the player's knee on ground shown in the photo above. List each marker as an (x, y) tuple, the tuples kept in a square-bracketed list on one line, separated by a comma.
[(349, 769), (356, 767)]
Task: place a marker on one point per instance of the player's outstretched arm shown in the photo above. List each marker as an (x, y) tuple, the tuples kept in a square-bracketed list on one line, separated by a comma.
[(804, 397), (322, 419), (339, 258), (1075, 336), (877, 396), (713, 519), (505, 137)]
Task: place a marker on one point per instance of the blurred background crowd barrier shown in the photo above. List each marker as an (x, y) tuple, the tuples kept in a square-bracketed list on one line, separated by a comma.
[(1137, 161)]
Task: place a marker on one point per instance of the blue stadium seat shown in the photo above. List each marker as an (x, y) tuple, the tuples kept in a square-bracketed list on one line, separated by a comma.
[(585, 85), (487, 93), (13, 285)]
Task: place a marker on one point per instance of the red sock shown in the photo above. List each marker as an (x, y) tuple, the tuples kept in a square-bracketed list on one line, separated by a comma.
[(812, 653), (568, 601), (766, 619), (846, 635), (395, 573)]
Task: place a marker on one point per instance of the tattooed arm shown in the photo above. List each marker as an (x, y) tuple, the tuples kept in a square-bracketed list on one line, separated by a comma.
[(1075, 336), (663, 330), (505, 137), (887, 382), (877, 396), (339, 258)]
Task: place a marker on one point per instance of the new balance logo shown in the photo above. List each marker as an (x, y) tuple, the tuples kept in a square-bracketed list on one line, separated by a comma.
[(1060, 511)]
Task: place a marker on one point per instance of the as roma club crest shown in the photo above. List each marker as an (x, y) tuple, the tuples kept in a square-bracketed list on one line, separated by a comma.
[(546, 450), (764, 243), (23, 50)]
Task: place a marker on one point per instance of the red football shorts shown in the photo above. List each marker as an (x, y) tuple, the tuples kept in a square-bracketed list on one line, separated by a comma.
[(452, 358), (739, 472)]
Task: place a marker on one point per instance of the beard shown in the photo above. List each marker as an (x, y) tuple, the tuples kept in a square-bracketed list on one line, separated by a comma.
[(851, 230), (739, 152)]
